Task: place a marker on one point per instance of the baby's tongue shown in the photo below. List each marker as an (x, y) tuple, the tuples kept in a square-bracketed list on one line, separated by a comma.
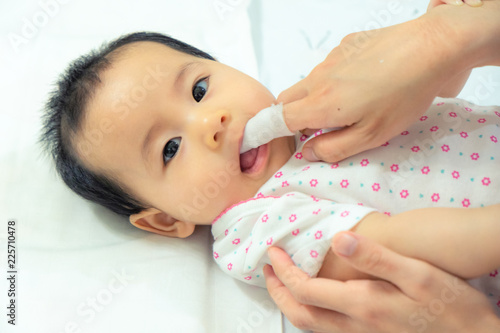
[(247, 160)]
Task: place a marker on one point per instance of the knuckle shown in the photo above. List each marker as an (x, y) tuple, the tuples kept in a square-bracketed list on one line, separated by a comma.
[(425, 280), (374, 261), (325, 152), (301, 292), (349, 38), (302, 321)]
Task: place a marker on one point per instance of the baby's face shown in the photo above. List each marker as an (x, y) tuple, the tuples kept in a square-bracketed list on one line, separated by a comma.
[(169, 127)]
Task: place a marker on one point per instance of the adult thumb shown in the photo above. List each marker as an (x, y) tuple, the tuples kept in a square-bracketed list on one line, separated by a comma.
[(372, 258), (337, 145)]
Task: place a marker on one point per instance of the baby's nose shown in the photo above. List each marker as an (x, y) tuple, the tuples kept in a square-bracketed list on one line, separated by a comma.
[(215, 128)]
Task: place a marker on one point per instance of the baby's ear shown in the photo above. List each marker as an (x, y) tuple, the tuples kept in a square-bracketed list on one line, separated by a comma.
[(154, 220)]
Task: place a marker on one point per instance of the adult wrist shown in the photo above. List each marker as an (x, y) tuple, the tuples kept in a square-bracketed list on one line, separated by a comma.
[(468, 37)]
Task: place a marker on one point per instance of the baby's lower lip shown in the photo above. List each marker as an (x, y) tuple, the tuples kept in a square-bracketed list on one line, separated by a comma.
[(259, 161)]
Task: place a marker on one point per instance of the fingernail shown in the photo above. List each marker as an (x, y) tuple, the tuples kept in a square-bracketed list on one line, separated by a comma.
[(309, 154), (457, 3), (345, 244), (474, 3)]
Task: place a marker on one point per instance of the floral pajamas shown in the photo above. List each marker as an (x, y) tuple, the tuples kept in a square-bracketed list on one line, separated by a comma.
[(449, 158)]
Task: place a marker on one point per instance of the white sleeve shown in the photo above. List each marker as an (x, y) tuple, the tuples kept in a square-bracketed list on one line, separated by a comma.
[(300, 224)]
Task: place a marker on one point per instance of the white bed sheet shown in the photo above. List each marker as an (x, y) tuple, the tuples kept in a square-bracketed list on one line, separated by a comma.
[(83, 269)]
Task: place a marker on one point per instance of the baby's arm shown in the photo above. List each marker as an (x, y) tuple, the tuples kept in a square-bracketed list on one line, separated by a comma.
[(465, 242)]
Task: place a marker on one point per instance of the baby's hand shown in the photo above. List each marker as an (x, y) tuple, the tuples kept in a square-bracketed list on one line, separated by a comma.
[(472, 3)]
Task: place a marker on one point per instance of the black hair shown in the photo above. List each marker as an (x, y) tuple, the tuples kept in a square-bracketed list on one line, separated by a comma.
[(64, 111)]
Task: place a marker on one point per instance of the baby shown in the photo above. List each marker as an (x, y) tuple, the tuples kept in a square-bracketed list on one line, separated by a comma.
[(151, 128)]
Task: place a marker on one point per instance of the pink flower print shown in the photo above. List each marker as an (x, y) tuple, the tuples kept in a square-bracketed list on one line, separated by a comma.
[(248, 277), (318, 234), (387, 213), (216, 255), (236, 241), (425, 170), (265, 218), (246, 250), (385, 144), (364, 162), (306, 168), (313, 182), (376, 187), (415, 149), (316, 212), (481, 120), (455, 174), (464, 134), (226, 232), (303, 138), (439, 104), (318, 133), (295, 232), (494, 139), (468, 109), (394, 168), (229, 266), (486, 181), (474, 156), (285, 184), (434, 128), (435, 197), (334, 166), (344, 183), (344, 213), (278, 174), (497, 113), (423, 118), (314, 198), (405, 133), (298, 156), (260, 195), (453, 114), (404, 194), (269, 241), (466, 203), (494, 273), (314, 254), (445, 148), (292, 218)]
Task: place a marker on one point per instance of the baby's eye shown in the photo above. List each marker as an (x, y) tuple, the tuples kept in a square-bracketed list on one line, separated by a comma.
[(171, 149), (200, 89)]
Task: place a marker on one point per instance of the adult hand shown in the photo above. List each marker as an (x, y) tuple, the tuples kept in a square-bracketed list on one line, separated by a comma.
[(376, 83), (417, 298)]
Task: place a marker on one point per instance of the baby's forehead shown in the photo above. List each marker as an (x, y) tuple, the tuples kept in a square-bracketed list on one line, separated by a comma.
[(127, 89)]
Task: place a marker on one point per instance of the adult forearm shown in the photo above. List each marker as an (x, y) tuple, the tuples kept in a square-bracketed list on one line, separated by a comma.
[(468, 37)]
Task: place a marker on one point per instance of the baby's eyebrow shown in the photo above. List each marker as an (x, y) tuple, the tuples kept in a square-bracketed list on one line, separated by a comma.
[(185, 69)]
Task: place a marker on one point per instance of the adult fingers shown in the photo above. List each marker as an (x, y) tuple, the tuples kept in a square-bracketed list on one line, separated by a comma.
[(413, 277), (303, 316), (338, 145), (340, 297), (474, 3), (295, 92)]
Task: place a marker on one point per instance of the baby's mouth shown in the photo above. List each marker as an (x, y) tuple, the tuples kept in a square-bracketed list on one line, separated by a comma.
[(247, 160), (254, 161)]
